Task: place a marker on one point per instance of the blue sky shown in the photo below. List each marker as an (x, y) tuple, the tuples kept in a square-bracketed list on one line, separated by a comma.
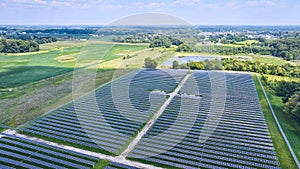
[(99, 12)]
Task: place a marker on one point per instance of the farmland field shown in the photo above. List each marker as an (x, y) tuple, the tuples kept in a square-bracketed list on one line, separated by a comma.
[(20, 69), (33, 83)]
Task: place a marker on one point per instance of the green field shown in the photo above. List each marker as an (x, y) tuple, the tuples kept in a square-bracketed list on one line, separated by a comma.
[(121, 50), (270, 60), (31, 84), (285, 158), (53, 59), (18, 70)]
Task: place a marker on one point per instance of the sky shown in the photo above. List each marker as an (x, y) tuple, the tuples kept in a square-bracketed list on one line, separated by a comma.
[(195, 12)]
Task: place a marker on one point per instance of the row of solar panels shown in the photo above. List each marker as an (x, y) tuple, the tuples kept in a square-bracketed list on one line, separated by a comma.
[(105, 126), (17, 152), (236, 138)]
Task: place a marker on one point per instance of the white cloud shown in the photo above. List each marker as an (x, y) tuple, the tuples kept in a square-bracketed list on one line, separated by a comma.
[(228, 4), (113, 7), (187, 3), (139, 4), (233, 4), (55, 3), (41, 2), (145, 5), (156, 5), (260, 3)]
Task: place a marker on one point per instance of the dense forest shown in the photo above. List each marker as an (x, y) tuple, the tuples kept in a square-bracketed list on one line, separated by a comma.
[(18, 46), (20, 43)]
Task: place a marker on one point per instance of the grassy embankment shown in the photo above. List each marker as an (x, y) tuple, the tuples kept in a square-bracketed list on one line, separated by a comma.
[(285, 158), (289, 126)]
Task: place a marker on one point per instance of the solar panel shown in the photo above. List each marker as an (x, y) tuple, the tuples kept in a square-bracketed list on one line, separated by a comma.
[(39, 149), (39, 155), (17, 163), (239, 140)]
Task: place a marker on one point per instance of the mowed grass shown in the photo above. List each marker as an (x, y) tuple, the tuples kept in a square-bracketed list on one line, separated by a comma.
[(266, 59), (290, 127), (101, 164), (285, 158), (121, 50), (270, 60), (247, 42), (18, 70)]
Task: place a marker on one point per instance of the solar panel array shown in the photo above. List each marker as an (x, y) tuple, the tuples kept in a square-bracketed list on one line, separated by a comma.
[(219, 125), (17, 152), (109, 125), (214, 122)]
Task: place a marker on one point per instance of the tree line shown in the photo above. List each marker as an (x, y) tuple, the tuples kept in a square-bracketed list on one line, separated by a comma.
[(18, 46), (286, 48), (289, 91), (239, 65), (38, 39), (164, 41), (23, 43)]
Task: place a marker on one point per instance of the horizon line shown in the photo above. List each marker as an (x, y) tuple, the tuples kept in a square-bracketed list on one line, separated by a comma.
[(149, 25)]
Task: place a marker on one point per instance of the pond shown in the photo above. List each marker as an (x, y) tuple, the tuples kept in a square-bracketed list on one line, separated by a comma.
[(186, 59)]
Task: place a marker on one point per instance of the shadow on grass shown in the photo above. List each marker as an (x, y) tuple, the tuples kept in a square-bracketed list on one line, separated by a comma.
[(23, 75)]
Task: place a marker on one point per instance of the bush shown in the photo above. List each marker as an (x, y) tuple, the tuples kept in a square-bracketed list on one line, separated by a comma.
[(150, 63)]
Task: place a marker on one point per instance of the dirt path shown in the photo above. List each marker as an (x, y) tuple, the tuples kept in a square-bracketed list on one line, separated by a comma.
[(122, 158), (154, 118), (118, 159)]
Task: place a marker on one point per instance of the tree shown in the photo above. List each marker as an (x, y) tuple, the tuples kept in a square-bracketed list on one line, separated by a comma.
[(286, 89), (1, 46), (175, 65), (213, 64), (18, 46), (184, 48), (160, 42), (292, 106), (150, 63), (196, 65)]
